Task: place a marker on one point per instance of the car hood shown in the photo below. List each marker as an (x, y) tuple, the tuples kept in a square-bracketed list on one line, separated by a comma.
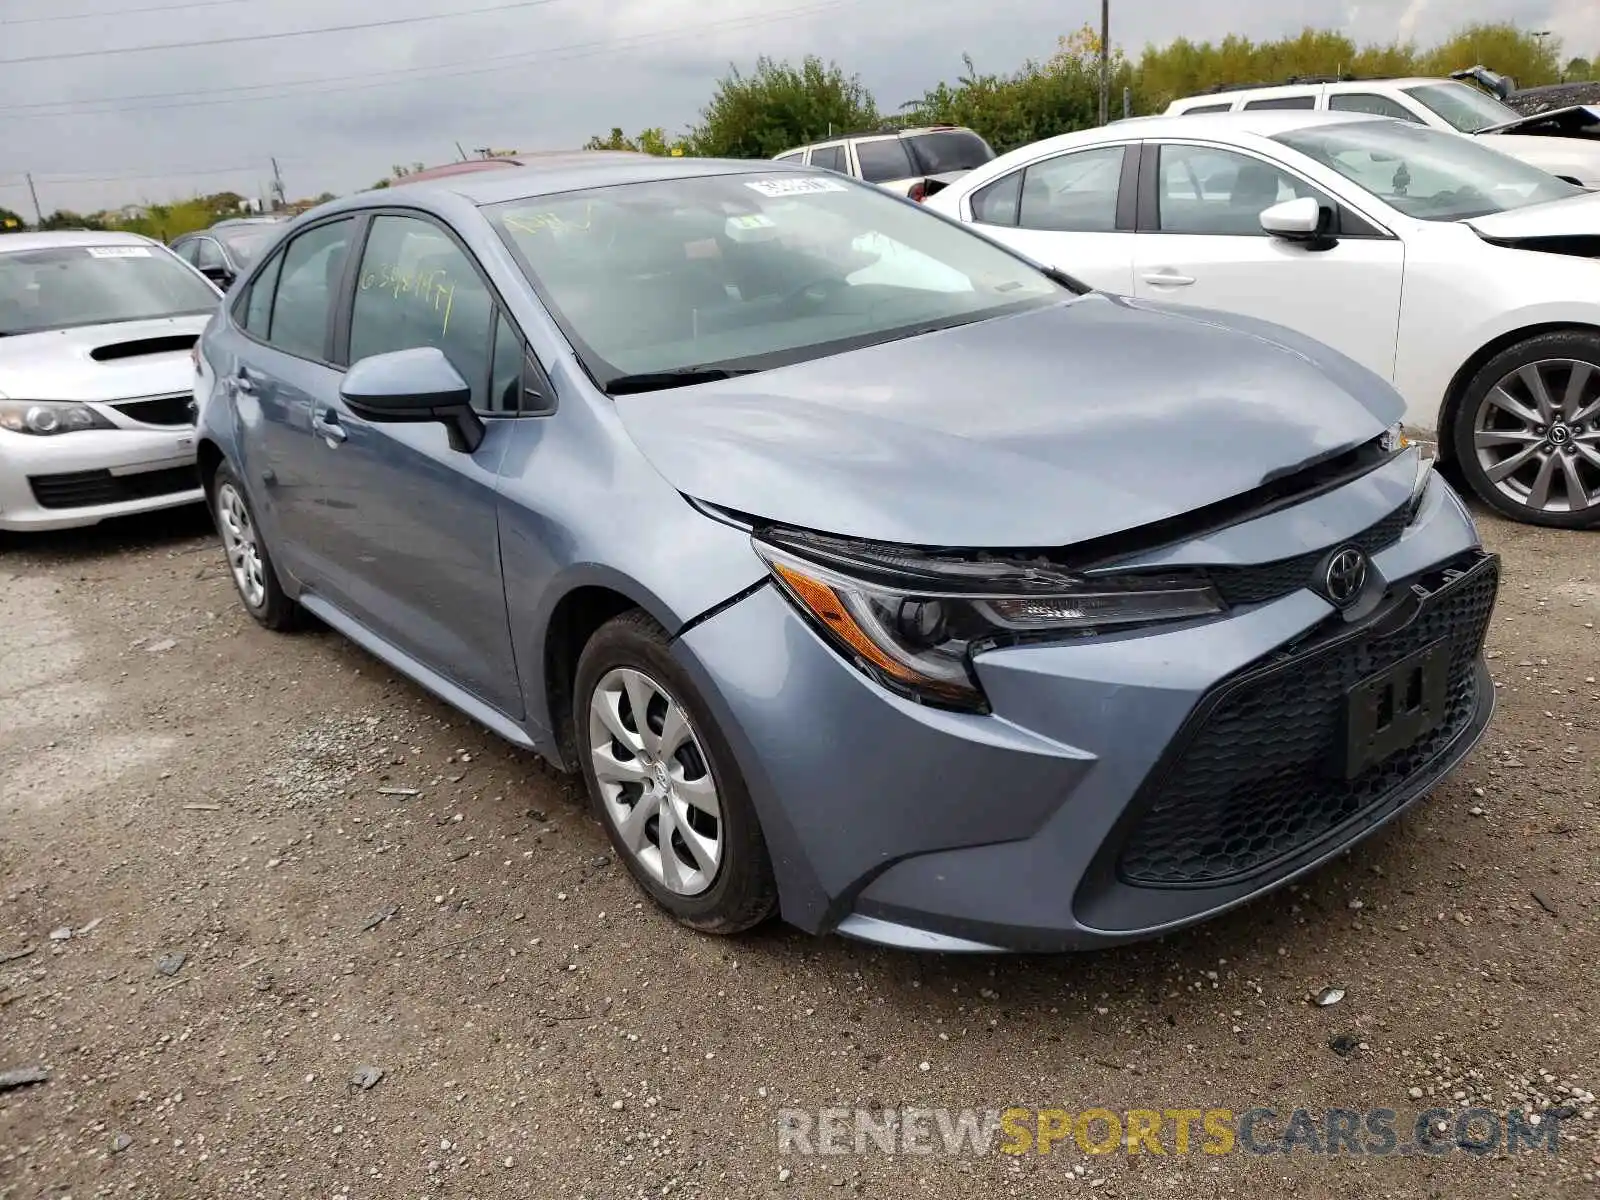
[(1041, 429), (1573, 217), (1571, 158), (101, 362), (1576, 120)]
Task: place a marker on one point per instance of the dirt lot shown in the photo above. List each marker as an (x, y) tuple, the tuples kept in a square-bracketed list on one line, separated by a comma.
[(175, 781)]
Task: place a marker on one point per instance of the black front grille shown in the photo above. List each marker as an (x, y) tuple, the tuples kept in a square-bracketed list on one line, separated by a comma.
[(159, 410), (81, 489), (1249, 783), (1267, 581)]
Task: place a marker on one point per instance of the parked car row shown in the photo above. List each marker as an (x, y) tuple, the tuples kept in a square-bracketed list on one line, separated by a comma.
[(867, 564), (1564, 141)]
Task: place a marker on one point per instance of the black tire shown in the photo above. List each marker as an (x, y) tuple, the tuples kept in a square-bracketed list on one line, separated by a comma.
[(1573, 345), (274, 610), (743, 892)]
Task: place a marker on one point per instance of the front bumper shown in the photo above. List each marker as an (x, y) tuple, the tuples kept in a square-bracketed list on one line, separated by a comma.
[(76, 479), (1123, 786)]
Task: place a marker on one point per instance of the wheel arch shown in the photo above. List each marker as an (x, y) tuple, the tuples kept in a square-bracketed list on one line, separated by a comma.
[(208, 457), (1456, 392), (573, 621)]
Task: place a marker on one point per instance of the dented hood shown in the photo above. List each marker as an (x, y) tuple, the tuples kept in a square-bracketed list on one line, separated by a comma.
[(1041, 429)]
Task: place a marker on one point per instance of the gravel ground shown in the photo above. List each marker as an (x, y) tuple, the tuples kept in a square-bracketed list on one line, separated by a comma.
[(249, 866)]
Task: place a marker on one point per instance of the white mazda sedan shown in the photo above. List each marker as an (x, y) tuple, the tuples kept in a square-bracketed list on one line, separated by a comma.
[(1465, 277), (96, 377)]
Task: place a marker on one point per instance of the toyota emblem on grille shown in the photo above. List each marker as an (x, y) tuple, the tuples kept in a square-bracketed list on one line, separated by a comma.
[(1344, 574)]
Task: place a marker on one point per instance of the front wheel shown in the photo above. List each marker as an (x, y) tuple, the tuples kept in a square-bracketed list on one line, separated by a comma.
[(1527, 434), (664, 784)]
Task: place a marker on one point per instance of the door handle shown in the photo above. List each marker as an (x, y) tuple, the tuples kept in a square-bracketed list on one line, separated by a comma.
[(326, 424), (243, 383), (1168, 279)]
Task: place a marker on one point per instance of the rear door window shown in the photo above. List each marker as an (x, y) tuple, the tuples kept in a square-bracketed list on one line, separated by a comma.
[(1075, 193), (883, 159), (1306, 100), (829, 158), (256, 315), (309, 279)]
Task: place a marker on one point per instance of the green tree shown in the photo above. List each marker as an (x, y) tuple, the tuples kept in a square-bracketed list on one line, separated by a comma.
[(64, 218), (11, 222), (1578, 70), (1504, 48), (778, 106), (648, 141), (1040, 100)]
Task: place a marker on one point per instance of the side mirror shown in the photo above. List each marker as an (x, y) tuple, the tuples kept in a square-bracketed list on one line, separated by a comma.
[(220, 276), (1301, 220), (414, 385)]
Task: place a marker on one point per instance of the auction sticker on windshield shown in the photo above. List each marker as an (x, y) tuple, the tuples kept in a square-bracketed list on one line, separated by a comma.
[(794, 187), (118, 251)]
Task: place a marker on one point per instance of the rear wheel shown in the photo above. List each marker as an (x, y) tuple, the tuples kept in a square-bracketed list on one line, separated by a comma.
[(1527, 434), (664, 784), (248, 561)]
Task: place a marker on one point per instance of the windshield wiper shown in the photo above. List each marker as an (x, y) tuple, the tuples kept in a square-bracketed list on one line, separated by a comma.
[(1076, 286), (653, 381)]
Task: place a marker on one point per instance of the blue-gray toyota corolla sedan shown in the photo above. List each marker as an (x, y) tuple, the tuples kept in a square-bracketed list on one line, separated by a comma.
[(867, 572)]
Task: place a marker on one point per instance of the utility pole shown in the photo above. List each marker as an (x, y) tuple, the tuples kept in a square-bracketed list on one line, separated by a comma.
[(461, 152), (1105, 61), (38, 217), (279, 199)]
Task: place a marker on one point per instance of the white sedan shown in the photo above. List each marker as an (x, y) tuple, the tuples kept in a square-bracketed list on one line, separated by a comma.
[(96, 378), (1468, 279)]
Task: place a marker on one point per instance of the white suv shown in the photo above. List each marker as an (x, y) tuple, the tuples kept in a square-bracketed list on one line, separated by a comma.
[(1564, 142), (912, 162)]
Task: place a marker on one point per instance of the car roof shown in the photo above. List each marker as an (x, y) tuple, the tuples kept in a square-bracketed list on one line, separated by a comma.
[(51, 238), (569, 173), (1264, 123), (1244, 92)]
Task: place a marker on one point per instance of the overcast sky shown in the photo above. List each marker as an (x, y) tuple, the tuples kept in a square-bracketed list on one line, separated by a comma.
[(561, 70)]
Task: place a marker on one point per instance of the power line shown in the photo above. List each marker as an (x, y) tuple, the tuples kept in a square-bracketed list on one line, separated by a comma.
[(70, 179), (269, 37), (409, 74), (118, 12)]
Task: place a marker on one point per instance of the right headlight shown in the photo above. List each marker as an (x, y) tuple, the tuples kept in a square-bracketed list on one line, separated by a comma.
[(912, 620), (45, 418)]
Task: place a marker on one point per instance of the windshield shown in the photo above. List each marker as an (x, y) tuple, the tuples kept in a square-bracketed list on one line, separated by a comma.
[(750, 271), (1427, 173), (64, 286), (1464, 107), (948, 150), (245, 243)]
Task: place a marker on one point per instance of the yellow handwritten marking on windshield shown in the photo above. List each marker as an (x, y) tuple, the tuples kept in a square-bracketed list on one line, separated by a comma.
[(431, 288), (538, 222)]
